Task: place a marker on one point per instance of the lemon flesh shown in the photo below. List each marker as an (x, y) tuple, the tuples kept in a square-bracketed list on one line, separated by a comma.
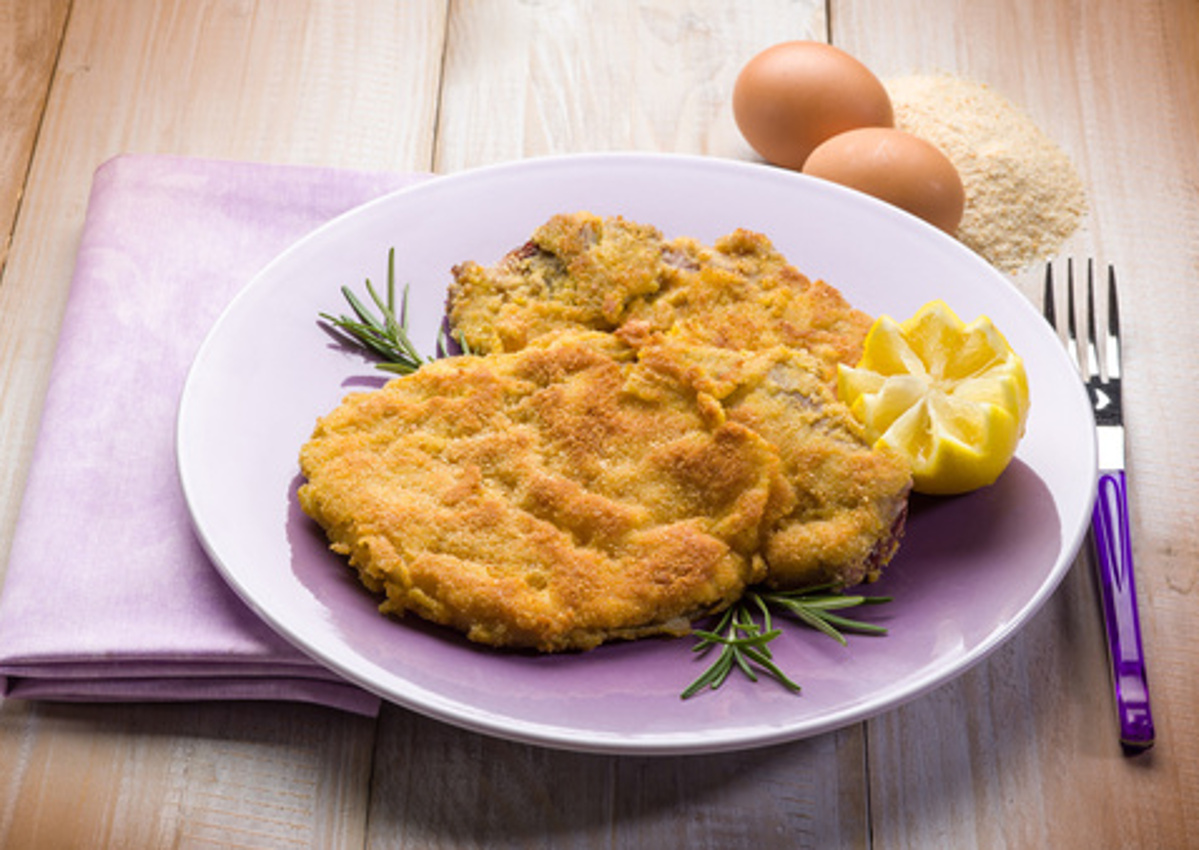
[(951, 397)]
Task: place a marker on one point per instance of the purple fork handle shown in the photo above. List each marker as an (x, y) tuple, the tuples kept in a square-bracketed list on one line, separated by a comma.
[(1117, 587)]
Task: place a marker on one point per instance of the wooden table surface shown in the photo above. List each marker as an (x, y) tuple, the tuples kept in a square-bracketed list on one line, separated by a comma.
[(1021, 751)]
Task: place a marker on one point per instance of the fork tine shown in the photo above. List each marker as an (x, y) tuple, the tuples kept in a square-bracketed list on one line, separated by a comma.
[(1113, 325), (1096, 358), (1073, 346), (1047, 302)]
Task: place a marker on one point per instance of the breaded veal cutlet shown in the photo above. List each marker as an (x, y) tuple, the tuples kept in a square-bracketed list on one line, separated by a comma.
[(648, 429), (554, 498), (579, 270)]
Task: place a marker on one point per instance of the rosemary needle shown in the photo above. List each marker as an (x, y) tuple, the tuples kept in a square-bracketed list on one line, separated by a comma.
[(385, 335), (744, 642)]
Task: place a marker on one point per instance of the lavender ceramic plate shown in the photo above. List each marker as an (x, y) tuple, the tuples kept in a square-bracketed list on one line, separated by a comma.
[(972, 570)]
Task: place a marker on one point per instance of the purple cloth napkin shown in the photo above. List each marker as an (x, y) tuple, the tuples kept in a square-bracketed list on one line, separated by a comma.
[(108, 594)]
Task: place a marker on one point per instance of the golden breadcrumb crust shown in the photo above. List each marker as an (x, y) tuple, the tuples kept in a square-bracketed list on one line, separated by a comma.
[(582, 271), (649, 427), (849, 501), (541, 499)]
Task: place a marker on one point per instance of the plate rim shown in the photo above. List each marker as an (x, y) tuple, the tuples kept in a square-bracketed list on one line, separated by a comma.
[(471, 717)]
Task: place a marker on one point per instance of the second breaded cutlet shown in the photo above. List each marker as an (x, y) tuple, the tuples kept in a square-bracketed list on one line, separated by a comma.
[(579, 270)]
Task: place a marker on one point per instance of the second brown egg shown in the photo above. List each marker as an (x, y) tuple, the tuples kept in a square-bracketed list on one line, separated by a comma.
[(895, 167)]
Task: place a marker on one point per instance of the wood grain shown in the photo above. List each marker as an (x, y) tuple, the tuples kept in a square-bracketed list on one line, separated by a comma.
[(29, 41), (312, 82), (537, 79), (436, 786), (309, 83), (29, 45), (1019, 752), (530, 79), (183, 775), (1024, 750)]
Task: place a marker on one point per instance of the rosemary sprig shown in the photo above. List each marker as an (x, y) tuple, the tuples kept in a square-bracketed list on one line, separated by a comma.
[(743, 645), (744, 642), (814, 607), (385, 335)]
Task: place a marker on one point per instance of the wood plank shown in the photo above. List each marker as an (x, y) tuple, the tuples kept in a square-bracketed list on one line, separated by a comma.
[(314, 82), (998, 758), (536, 79), (318, 83), (1023, 750), (183, 775), (29, 41), (436, 786)]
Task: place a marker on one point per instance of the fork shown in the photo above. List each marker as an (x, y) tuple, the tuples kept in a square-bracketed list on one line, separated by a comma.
[(1098, 361)]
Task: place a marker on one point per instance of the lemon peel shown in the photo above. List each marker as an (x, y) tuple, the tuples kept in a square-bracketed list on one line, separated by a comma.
[(951, 397)]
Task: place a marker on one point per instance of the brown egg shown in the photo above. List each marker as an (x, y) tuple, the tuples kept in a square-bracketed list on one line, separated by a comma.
[(795, 95), (895, 167)]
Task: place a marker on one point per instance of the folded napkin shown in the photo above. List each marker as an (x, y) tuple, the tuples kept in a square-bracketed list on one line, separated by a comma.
[(108, 594)]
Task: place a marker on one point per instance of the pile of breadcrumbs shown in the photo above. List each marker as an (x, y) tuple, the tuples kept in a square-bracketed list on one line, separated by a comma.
[(1023, 194)]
